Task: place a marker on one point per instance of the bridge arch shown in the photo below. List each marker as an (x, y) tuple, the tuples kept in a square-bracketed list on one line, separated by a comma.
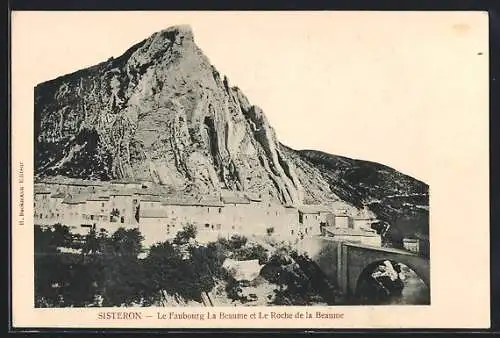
[(358, 258), (366, 272)]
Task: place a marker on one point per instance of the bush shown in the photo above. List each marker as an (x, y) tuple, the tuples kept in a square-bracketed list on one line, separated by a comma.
[(237, 241), (184, 235), (254, 251)]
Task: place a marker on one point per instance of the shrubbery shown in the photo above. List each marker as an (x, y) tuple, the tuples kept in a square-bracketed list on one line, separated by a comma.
[(109, 268)]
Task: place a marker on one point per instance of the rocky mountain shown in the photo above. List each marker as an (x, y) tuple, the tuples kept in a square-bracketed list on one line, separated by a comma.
[(395, 198), (162, 112)]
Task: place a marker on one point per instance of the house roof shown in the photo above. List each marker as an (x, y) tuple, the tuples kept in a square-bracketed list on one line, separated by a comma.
[(75, 199), (151, 198), (124, 181), (174, 200), (417, 236), (350, 232), (58, 195), (233, 197), (147, 191), (312, 209), (253, 197), (70, 181), (97, 197), (125, 192), (208, 201), (362, 218), (41, 190)]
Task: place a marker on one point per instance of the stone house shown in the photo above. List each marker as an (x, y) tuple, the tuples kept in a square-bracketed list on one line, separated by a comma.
[(73, 210), (124, 205), (312, 218), (411, 244), (155, 226), (237, 211), (41, 204), (96, 209)]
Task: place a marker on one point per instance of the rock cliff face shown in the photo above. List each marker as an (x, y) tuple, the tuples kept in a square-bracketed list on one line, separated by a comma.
[(162, 112)]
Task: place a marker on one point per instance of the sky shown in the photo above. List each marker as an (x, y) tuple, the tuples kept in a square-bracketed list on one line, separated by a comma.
[(384, 87)]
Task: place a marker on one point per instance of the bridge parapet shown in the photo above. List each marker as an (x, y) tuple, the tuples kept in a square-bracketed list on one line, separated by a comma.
[(344, 263)]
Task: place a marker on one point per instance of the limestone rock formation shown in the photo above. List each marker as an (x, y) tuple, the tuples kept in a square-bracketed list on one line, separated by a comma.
[(161, 112)]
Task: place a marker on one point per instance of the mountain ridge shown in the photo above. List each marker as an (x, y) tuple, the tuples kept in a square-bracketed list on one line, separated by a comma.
[(162, 111)]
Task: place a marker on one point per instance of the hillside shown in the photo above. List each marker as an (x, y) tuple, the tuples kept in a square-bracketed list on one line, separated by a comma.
[(162, 112)]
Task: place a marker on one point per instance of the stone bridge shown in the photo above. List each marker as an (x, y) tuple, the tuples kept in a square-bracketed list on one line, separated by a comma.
[(347, 263)]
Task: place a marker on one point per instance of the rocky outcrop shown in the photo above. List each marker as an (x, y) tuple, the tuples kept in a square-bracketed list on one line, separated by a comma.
[(161, 112)]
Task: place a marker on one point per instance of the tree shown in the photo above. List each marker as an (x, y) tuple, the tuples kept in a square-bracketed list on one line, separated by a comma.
[(183, 236), (237, 241), (127, 242), (161, 268), (254, 251)]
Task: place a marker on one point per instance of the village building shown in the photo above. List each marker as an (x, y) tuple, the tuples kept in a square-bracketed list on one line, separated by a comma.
[(237, 211), (42, 204), (160, 213), (155, 226), (341, 226), (411, 244), (340, 219), (417, 243), (311, 219), (363, 222), (124, 206), (72, 214)]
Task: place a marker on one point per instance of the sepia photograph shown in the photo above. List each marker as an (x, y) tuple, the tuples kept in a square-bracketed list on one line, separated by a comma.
[(235, 160)]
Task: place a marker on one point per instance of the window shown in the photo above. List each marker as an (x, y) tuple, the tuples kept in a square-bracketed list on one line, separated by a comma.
[(220, 210), (207, 225), (102, 204), (208, 210), (291, 232), (92, 217), (212, 226), (122, 219), (218, 226)]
